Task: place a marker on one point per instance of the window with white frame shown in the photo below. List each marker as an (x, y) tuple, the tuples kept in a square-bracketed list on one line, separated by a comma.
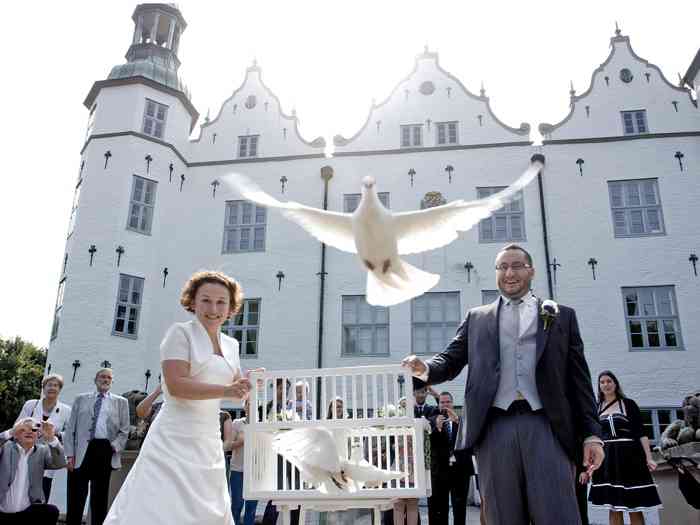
[(154, 118), (505, 224), (248, 146), (446, 133), (128, 309), (74, 208), (636, 208), (435, 317), (411, 135), (489, 296), (365, 327), (352, 200), (58, 309), (634, 122), (245, 327), (245, 225), (652, 318), (655, 421), (141, 205)]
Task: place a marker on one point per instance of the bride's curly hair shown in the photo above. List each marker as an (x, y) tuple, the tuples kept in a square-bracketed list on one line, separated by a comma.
[(189, 291)]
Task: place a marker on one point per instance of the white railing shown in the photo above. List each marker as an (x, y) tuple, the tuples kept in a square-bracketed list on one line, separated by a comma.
[(374, 417)]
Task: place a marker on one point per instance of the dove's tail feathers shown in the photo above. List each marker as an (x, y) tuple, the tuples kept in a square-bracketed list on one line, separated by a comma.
[(401, 283)]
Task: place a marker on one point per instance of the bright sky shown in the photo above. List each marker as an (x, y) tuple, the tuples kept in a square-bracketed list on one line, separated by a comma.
[(328, 59)]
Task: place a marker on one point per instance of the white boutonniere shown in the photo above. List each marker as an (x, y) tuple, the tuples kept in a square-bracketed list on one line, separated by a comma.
[(549, 311)]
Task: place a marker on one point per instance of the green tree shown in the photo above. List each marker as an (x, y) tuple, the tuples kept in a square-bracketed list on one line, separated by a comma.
[(21, 370)]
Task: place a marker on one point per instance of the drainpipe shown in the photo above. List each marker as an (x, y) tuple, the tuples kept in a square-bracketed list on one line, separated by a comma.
[(539, 157), (326, 175)]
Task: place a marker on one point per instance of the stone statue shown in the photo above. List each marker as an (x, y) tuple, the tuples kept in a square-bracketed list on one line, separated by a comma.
[(136, 425), (687, 429)]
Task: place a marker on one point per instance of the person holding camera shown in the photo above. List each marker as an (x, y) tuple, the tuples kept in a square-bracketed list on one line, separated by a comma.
[(23, 461), (450, 469)]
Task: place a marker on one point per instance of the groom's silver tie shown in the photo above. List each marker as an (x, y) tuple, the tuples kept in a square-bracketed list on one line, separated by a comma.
[(514, 328)]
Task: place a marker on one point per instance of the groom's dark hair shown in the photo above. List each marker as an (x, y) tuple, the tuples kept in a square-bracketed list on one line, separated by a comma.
[(514, 246)]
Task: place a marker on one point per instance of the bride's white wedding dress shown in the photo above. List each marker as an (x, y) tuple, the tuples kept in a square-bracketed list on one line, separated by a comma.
[(179, 475)]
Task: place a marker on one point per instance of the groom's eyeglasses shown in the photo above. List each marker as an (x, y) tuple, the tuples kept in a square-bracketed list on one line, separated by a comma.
[(516, 267)]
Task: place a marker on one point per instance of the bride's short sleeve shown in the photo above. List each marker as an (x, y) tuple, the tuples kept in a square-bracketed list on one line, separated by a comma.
[(175, 345)]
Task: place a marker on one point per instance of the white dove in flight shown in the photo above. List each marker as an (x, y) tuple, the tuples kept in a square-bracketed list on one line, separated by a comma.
[(379, 236), (315, 452)]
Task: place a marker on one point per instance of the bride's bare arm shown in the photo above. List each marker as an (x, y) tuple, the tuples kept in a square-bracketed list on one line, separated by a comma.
[(176, 374)]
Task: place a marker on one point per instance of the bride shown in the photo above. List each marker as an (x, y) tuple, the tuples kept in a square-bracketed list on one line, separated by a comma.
[(178, 476)]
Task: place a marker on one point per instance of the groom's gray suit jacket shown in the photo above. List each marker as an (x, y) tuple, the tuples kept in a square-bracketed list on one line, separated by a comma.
[(561, 375), (77, 434)]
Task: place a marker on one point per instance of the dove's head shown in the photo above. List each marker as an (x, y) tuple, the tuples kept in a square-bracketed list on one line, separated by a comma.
[(367, 183)]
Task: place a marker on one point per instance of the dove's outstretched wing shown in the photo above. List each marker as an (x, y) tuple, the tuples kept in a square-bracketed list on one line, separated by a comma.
[(419, 231), (329, 227), (314, 447), (365, 472)]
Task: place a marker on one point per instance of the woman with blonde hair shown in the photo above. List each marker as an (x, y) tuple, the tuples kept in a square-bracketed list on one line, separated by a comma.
[(178, 476)]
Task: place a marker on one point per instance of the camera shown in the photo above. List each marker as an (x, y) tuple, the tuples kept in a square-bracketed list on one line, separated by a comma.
[(443, 412)]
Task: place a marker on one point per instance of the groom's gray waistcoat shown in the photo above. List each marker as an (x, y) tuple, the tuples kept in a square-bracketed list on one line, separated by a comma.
[(518, 355)]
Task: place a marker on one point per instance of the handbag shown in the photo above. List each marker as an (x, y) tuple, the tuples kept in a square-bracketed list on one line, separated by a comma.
[(687, 482)]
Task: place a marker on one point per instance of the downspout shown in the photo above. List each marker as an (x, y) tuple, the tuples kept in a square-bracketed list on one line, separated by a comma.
[(326, 175), (539, 157)]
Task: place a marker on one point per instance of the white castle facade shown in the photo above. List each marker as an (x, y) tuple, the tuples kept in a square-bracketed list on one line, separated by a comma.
[(612, 222)]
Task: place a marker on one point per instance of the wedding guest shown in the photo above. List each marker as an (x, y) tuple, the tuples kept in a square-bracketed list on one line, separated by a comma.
[(236, 479), (623, 483), (301, 403), (405, 509), (95, 436), (420, 407), (47, 408), (23, 460), (148, 408), (450, 469), (226, 429)]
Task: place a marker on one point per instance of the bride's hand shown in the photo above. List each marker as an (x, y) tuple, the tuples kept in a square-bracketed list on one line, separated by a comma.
[(259, 382), (239, 389)]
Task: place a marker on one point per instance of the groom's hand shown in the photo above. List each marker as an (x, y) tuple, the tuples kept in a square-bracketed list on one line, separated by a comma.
[(593, 456), (415, 365)]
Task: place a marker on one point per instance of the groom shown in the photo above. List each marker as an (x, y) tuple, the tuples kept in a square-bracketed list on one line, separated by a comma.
[(528, 399)]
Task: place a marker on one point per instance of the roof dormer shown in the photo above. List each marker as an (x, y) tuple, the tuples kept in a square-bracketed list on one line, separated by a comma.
[(430, 108), (627, 97)]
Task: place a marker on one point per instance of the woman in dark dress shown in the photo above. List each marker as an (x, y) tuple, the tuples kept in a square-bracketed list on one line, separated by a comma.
[(623, 482)]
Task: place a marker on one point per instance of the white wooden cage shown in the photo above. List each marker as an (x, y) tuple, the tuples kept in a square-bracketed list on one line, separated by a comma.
[(390, 436)]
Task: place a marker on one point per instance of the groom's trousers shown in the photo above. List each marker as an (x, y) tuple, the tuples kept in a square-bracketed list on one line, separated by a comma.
[(524, 474)]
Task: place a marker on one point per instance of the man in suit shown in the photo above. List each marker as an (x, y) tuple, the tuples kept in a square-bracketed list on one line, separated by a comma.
[(22, 464), (450, 469), (528, 399), (420, 407), (97, 431)]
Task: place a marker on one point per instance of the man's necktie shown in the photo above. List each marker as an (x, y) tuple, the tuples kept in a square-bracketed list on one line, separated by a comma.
[(98, 407)]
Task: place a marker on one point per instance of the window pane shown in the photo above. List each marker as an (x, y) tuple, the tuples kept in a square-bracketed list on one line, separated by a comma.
[(441, 133), (452, 307), (420, 339), (260, 214), (231, 240), (486, 229), (653, 222), (349, 310), (150, 188), (242, 146), (382, 340), (647, 299), (641, 121), (405, 136), (631, 299), (381, 315), (420, 314), (259, 238), (436, 339), (245, 239), (653, 333), (663, 301), (616, 195), (417, 136), (161, 112), (247, 215), (251, 341), (253, 146), (629, 124), (649, 191), (636, 221), (364, 341), (119, 325), (632, 194), (636, 334), (516, 227), (647, 424), (453, 132), (365, 312), (350, 340), (501, 228), (146, 219), (435, 308), (158, 130), (134, 216)]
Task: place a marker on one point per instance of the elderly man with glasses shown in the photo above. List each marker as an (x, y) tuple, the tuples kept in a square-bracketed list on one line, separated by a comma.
[(530, 411), (22, 464)]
